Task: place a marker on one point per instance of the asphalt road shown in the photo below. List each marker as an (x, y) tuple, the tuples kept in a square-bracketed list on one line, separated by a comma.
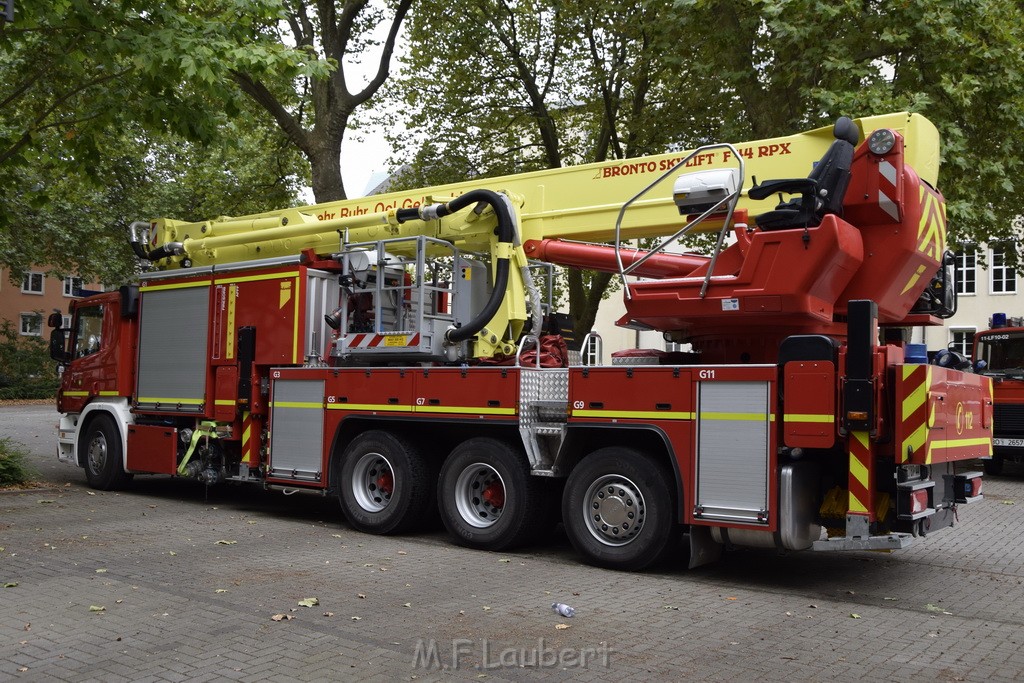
[(167, 581)]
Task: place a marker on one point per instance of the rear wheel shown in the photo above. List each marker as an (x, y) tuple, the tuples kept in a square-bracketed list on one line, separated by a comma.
[(385, 484), (994, 465), (618, 507), (104, 461), (487, 496)]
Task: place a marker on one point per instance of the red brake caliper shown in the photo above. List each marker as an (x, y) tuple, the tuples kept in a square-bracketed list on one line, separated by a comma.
[(494, 494), (386, 483)]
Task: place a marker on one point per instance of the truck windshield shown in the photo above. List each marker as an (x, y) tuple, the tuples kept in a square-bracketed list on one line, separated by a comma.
[(1003, 351)]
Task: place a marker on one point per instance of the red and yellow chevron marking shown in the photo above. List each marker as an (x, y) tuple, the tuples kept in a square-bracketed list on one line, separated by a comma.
[(914, 411), (931, 231), (860, 473), (248, 450)]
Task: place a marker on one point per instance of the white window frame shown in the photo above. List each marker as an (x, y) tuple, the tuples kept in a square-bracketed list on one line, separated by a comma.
[(1007, 274), (27, 280), (65, 322), (69, 285), (23, 318), (966, 251), (968, 341)]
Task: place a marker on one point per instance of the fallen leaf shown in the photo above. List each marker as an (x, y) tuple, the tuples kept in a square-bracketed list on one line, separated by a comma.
[(892, 599), (402, 552), (731, 598), (22, 669), (28, 626), (504, 560), (486, 608), (789, 614), (854, 615), (282, 617), (336, 535), (850, 593), (328, 614), (367, 565), (1005, 502), (11, 584), (670, 607), (309, 602), (45, 502), (101, 571), (562, 627), (172, 553), (97, 608), (221, 590), (813, 606), (118, 601), (357, 618), (361, 596), (408, 604), (575, 593), (90, 493), (226, 542)]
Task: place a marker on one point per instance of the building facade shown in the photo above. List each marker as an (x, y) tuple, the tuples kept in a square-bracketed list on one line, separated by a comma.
[(27, 304)]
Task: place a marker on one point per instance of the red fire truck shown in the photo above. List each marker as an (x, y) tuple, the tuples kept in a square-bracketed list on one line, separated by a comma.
[(1000, 351), (397, 352)]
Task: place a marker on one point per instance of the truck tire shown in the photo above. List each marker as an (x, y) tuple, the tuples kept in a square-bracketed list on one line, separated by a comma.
[(100, 444), (618, 509), (385, 485), (487, 497), (994, 466)]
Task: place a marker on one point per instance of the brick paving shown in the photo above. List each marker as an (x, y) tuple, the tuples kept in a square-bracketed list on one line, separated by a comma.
[(179, 606)]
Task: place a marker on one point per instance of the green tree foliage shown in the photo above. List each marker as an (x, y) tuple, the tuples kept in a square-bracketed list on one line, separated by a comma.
[(539, 84), (78, 222), (793, 64), (114, 111), (26, 370)]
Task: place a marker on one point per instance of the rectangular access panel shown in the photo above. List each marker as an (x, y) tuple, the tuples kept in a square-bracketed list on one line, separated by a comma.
[(173, 355), (733, 451), (297, 429), (153, 449)]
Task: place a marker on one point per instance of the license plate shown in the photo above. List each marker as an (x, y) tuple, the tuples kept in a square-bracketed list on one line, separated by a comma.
[(1012, 443)]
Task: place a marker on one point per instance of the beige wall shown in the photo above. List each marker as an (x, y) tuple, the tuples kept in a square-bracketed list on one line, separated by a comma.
[(14, 302)]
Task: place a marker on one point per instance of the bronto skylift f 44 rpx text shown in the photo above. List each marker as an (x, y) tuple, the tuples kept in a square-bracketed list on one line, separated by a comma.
[(396, 352)]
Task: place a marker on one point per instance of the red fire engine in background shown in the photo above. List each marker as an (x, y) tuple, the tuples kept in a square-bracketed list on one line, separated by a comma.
[(397, 352), (999, 354)]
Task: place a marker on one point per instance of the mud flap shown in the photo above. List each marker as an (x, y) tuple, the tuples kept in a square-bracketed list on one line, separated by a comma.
[(703, 548)]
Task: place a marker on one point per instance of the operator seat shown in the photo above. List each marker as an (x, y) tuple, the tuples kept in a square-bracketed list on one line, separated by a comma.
[(821, 192)]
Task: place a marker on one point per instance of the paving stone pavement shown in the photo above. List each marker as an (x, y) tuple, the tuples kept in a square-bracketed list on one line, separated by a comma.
[(188, 581)]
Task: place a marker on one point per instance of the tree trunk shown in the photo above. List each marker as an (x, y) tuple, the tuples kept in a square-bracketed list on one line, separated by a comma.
[(325, 166)]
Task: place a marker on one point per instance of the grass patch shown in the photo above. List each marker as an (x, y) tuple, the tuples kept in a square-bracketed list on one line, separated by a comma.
[(14, 469)]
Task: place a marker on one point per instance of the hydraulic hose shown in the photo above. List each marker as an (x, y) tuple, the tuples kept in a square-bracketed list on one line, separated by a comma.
[(506, 234)]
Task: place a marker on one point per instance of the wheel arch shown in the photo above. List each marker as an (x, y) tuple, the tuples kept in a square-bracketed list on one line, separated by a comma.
[(436, 437), (582, 440), (116, 409)]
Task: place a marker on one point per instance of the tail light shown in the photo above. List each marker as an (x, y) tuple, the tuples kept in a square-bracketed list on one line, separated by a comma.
[(914, 499), (967, 487)]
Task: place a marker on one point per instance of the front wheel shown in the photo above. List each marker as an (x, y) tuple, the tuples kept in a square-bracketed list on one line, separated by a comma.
[(488, 498), (104, 461), (617, 509), (385, 485)]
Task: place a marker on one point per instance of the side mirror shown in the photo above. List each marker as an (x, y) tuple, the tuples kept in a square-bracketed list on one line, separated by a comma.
[(55, 320), (58, 352)]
